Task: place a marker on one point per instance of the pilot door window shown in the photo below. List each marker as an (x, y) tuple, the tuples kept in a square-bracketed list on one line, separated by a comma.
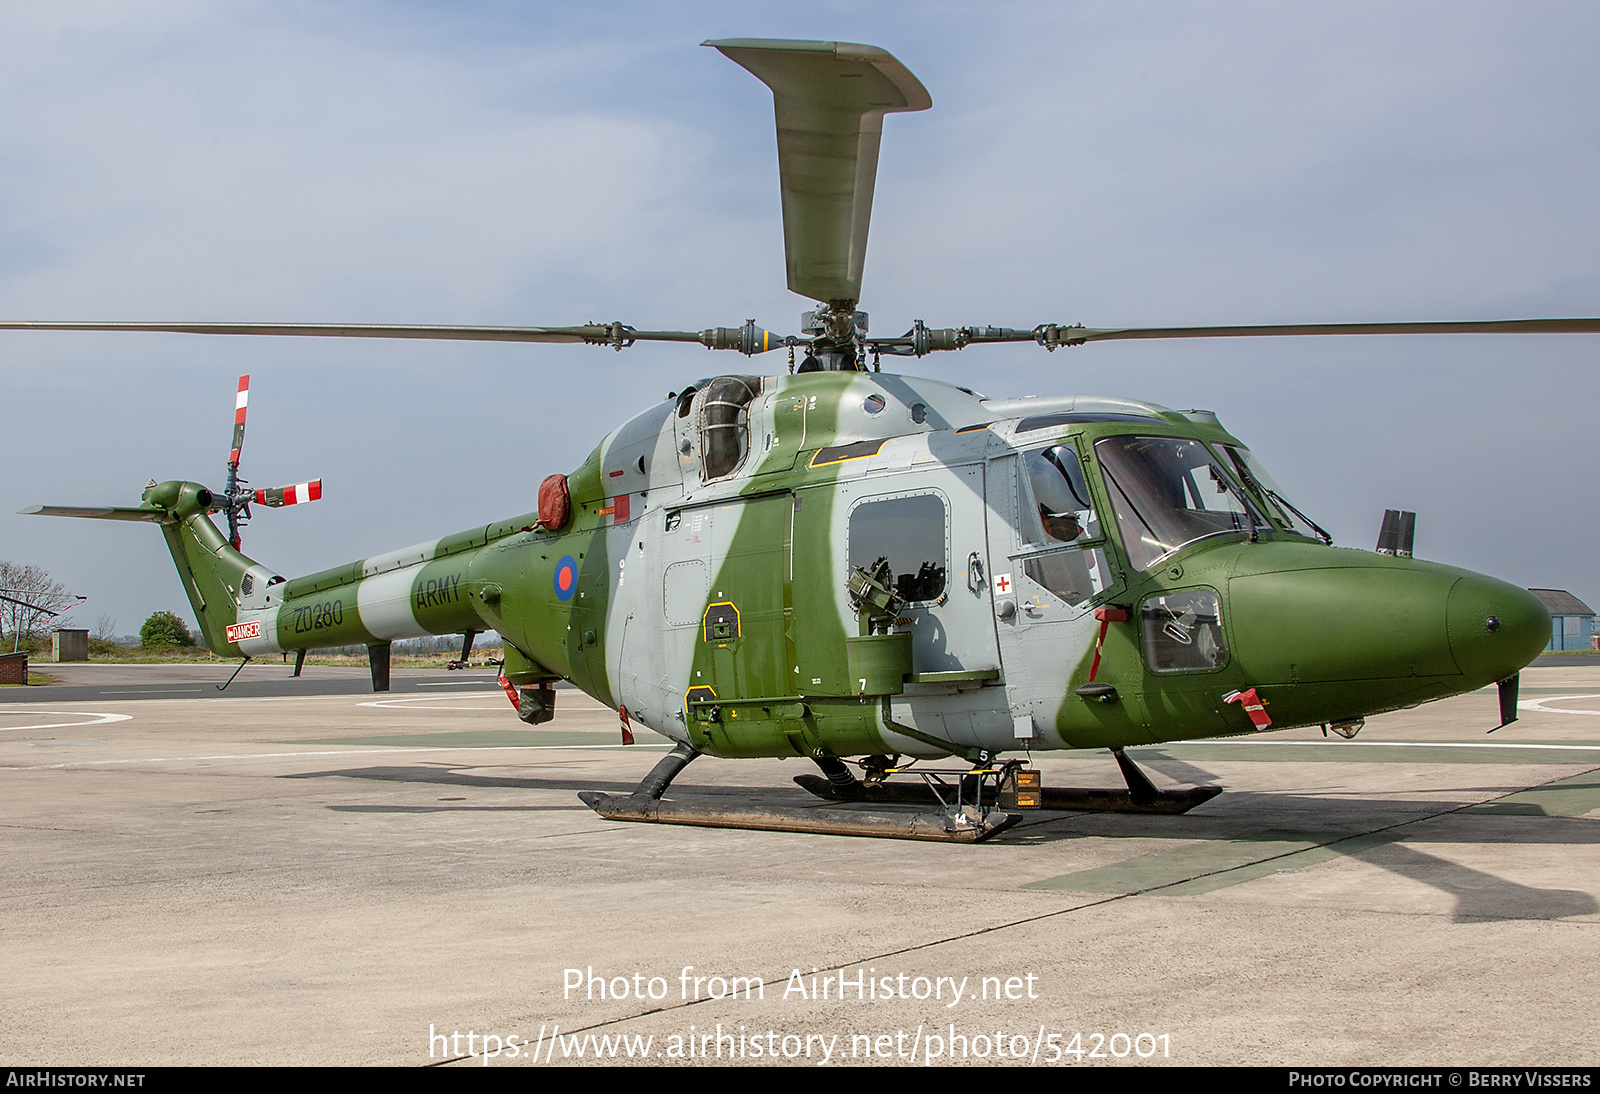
[(911, 532)]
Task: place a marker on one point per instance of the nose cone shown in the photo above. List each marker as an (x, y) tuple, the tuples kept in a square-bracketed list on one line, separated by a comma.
[(1495, 628), (1366, 620), (1371, 633)]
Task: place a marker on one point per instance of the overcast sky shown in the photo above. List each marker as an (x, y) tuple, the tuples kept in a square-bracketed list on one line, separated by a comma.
[(1118, 164)]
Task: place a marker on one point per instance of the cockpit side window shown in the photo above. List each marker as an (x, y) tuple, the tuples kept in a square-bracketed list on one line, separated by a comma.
[(1060, 510), (1060, 528), (725, 424), (686, 400)]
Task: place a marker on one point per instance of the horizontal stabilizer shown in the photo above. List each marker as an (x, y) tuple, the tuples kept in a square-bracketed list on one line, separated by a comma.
[(102, 512)]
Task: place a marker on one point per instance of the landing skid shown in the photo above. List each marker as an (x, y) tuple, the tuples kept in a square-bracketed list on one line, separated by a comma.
[(954, 824), (1142, 796)]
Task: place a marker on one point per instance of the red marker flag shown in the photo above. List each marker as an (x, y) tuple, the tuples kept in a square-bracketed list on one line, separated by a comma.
[(1107, 616), (511, 691), (1253, 704)]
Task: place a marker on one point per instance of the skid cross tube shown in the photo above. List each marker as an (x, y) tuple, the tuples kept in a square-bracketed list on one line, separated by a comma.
[(1141, 796), (646, 805)]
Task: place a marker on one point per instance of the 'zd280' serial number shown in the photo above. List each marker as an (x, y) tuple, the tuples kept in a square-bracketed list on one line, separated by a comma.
[(314, 617)]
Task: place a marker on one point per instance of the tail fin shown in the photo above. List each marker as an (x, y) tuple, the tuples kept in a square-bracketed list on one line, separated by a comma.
[(211, 570)]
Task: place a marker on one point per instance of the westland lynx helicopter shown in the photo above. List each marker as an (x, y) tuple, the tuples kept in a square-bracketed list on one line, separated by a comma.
[(865, 568)]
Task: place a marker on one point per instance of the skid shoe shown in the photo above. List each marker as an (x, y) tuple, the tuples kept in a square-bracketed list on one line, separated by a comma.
[(960, 824), (1141, 796)]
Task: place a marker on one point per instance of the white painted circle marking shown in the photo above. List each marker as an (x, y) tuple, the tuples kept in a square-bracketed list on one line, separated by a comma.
[(436, 699), (93, 719), (1539, 705)]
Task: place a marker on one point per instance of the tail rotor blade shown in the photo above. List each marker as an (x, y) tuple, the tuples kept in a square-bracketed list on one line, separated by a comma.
[(290, 495), (236, 503), (240, 403)]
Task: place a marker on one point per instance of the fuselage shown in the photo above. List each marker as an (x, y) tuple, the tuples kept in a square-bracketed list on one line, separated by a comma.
[(1071, 572)]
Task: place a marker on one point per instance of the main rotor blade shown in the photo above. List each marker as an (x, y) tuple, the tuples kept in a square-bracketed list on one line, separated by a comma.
[(599, 333), (830, 99), (1052, 335), (748, 339)]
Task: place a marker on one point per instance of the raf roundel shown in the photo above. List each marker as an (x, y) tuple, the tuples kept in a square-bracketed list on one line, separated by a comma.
[(566, 579)]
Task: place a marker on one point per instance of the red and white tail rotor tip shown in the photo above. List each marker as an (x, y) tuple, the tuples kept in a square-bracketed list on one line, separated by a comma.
[(290, 495), (241, 401)]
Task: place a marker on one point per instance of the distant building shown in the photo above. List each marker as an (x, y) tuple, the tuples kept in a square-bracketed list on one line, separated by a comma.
[(69, 645), (1571, 620)]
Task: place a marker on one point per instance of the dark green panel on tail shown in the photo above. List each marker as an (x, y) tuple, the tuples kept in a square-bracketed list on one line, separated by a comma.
[(440, 596), (510, 600), (323, 579), (331, 617)]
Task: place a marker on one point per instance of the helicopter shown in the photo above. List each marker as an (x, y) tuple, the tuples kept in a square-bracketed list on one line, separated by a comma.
[(872, 569)]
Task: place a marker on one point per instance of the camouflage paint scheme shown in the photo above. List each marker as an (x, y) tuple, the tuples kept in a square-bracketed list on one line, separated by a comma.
[(716, 611)]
